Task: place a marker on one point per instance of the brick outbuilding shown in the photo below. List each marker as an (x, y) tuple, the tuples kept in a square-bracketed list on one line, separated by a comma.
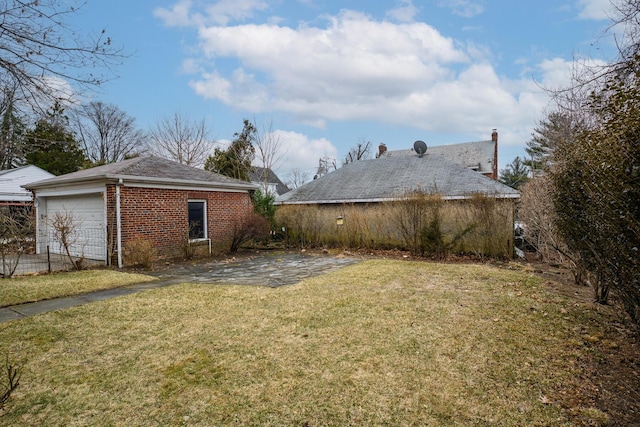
[(142, 199)]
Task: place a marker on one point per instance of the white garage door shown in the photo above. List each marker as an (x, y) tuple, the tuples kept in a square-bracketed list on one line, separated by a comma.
[(88, 235)]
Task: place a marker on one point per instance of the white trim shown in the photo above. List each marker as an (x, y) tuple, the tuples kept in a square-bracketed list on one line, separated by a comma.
[(152, 182), (391, 199), (118, 225), (204, 215), (75, 191)]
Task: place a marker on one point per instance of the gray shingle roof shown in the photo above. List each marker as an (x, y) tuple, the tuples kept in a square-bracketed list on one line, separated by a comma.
[(390, 177), (148, 169), (257, 176), (476, 155)]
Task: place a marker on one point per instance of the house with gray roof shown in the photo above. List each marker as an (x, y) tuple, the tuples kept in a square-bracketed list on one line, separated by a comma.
[(267, 180), (389, 178), (165, 203), (12, 180), (480, 156), (361, 203)]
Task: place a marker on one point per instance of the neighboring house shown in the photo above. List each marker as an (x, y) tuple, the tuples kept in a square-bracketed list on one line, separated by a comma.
[(145, 198), (12, 180), (480, 156), (364, 194), (268, 181)]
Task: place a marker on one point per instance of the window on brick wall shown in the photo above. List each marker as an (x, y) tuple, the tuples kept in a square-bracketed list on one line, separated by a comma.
[(197, 219)]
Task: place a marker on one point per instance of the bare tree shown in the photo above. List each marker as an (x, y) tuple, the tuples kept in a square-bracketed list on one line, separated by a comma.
[(296, 178), (107, 134), (12, 129), (16, 231), (177, 138), (65, 230), (325, 165), (42, 54), (361, 151), (269, 152)]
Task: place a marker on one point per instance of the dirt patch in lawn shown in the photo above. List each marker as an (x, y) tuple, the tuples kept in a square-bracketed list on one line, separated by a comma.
[(611, 380)]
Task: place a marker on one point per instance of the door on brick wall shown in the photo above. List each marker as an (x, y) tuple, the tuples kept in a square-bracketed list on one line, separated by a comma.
[(88, 237)]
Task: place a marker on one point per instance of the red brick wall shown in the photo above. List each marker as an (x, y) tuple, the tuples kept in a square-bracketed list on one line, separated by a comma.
[(160, 216)]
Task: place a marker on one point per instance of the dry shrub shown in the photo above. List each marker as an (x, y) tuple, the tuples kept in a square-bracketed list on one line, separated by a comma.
[(537, 213), (252, 227), (141, 253), (11, 380), (16, 231), (421, 223), (300, 224), (429, 225), (493, 233), (66, 227)]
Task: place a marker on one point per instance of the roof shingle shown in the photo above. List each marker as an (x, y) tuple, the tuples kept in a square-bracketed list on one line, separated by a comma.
[(145, 167), (390, 177)]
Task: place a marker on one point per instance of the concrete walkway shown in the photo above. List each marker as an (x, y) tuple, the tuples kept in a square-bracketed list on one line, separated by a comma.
[(263, 269)]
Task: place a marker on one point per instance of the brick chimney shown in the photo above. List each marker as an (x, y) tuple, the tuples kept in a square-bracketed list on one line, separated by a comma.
[(382, 148), (494, 138)]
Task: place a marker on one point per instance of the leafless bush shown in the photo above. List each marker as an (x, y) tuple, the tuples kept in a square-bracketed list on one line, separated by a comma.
[(11, 380), (411, 219), (65, 231), (492, 233), (537, 213), (141, 253), (253, 227), (301, 224), (16, 232), (424, 226)]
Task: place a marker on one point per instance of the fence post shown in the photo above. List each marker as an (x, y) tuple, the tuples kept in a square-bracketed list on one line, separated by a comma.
[(48, 260)]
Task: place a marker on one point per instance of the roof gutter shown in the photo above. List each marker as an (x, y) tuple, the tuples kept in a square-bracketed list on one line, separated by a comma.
[(132, 179), (387, 199)]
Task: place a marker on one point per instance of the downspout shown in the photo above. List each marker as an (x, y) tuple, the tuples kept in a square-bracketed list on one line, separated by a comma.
[(118, 224)]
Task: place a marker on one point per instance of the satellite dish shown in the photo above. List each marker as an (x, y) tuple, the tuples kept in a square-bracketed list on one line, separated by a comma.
[(420, 147)]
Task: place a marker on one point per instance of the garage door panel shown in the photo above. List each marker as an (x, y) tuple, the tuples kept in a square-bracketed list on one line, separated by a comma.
[(86, 213)]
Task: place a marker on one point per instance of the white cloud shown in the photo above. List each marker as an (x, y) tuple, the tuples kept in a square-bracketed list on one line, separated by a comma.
[(302, 153), (465, 8), (177, 16), (357, 69), (595, 9), (219, 13), (351, 68), (405, 12), (224, 11)]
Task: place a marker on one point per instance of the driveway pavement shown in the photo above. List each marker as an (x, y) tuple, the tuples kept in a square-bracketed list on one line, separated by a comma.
[(271, 269), (262, 269)]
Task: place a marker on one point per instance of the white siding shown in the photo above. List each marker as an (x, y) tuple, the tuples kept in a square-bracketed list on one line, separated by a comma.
[(11, 182)]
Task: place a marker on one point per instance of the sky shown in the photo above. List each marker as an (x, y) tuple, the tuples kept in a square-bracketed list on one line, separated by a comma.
[(324, 75)]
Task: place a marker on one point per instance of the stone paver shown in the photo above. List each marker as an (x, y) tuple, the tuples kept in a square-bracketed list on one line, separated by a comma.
[(273, 269), (264, 269)]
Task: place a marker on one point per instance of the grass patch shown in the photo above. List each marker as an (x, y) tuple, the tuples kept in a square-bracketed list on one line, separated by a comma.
[(377, 343), (19, 290)]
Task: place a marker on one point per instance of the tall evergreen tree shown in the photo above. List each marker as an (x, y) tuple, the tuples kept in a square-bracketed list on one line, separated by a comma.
[(51, 146), (515, 174), (236, 160), (555, 129)]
